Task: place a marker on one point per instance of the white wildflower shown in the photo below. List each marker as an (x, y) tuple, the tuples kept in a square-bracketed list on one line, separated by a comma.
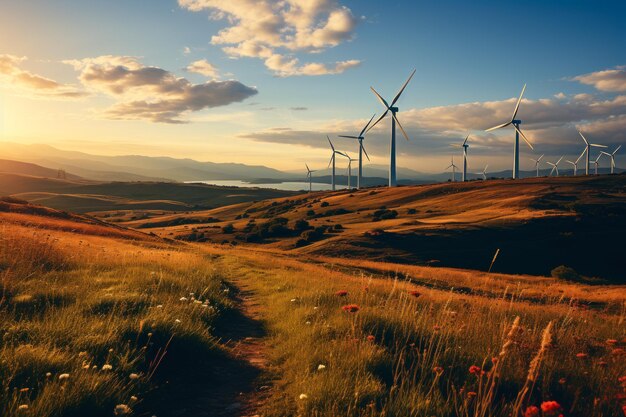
[(134, 376), (107, 367), (63, 377), (183, 298), (321, 367), (303, 396), (23, 407)]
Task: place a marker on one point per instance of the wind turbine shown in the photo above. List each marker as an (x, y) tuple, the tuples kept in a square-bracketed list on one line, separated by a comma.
[(454, 167), (484, 173), (309, 175), (537, 163), (332, 161), (394, 120), (612, 156), (465, 145), (515, 123), (361, 150), (597, 162), (588, 150), (555, 166), (574, 164), (350, 161)]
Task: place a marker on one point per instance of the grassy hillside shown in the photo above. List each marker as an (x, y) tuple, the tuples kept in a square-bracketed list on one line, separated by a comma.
[(538, 225), (98, 320)]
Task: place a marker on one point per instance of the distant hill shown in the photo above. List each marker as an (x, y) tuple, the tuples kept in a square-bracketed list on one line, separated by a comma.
[(537, 223), (25, 168)]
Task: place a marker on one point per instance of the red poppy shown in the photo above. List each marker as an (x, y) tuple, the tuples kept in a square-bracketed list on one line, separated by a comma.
[(371, 338), (494, 360), (532, 411), (415, 293), (550, 408), (582, 355), (624, 410), (562, 381), (341, 293), (603, 364), (438, 370), (611, 341), (622, 379), (350, 308), (471, 394), (475, 370)]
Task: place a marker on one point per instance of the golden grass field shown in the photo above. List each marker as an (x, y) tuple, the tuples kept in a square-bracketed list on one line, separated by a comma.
[(100, 320)]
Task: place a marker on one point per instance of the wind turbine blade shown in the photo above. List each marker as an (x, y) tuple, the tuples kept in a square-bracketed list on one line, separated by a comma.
[(524, 137), (349, 137), (616, 149), (331, 160), (534, 160), (367, 125), (584, 138), (519, 100), (307, 168), (400, 126), (331, 144), (539, 159), (498, 127), (605, 153), (382, 100), (449, 166), (382, 116), (465, 141), (560, 159), (402, 89), (597, 145), (365, 152), (570, 162)]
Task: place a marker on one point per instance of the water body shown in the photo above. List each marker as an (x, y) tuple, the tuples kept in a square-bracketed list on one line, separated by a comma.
[(288, 186)]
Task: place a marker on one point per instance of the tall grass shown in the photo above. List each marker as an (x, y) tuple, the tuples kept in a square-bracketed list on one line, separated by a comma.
[(416, 351)]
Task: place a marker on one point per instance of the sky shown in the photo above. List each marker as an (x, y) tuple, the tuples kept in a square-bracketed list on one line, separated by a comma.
[(263, 82)]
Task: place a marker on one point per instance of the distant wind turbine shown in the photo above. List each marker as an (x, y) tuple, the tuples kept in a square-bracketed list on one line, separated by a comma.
[(465, 145), (361, 150), (537, 163), (484, 173), (612, 156), (333, 160), (588, 150), (454, 167), (394, 120), (574, 164), (515, 123), (309, 175), (555, 166), (597, 162), (350, 161)]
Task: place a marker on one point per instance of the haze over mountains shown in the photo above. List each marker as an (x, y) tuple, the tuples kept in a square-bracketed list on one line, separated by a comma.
[(49, 160)]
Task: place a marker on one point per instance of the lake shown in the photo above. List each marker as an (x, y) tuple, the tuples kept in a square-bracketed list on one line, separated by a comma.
[(288, 186)]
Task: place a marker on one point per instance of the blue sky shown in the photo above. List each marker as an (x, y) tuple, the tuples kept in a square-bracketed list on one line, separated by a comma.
[(464, 52)]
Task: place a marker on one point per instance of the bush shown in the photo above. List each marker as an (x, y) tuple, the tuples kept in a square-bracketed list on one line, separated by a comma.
[(301, 225), (324, 204), (384, 214), (228, 229), (411, 211)]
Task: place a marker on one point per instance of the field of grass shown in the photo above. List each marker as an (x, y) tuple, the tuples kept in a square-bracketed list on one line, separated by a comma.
[(98, 320)]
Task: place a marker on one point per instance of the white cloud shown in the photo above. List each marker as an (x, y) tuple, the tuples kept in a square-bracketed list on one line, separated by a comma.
[(612, 80), (274, 30), (13, 75), (203, 67), (151, 93)]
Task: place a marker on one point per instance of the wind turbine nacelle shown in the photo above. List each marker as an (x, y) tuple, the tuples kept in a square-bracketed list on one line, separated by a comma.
[(394, 109), (517, 122)]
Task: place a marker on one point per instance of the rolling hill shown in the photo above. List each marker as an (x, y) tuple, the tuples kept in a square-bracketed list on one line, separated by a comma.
[(538, 225)]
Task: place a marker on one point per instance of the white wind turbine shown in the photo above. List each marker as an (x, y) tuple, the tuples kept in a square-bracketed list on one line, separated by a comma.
[(465, 145), (350, 161), (484, 173), (574, 164), (515, 123), (309, 175), (361, 150), (588, 150), (394, 120), (454, 167), (537, 163), (612, 156), (333, 160), (555, 166), (597, 162)]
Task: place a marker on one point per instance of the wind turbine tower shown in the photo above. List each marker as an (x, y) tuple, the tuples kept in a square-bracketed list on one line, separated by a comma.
[(515, 123), (309, 175), (454, 167), (361, 150), (588, 150), (333, 161), (394, 119), (537, 163)]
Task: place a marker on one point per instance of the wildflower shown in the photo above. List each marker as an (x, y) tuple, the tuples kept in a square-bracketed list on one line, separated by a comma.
[(23, 407), (177, 321), (63, 377), (618, 352), (159, 306), (134, 376), (611, 341), (350, 308), (48, 374), (624, 410), (603, 364), (475, 370), (308, 323), (438, 370), (532, 411), (550, 408), (293, 300), (82, 354), (341, 293), (24, 389), (133, 398), (321, 367), (471, 394), (107, 367), (562, 381), (122, 410), (371, 338), (183, 298), (582, 355), (414, 293), (303, 396), (494, 360)]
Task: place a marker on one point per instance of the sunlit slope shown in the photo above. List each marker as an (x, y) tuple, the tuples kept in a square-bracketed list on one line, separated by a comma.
[(538, 224)]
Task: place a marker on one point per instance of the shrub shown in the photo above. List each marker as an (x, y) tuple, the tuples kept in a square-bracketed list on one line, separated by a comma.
[(228, 229), (324, 204), (301, 225), (411, 211)]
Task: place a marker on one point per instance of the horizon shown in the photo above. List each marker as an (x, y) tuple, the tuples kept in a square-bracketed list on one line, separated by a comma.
[(126, 79)]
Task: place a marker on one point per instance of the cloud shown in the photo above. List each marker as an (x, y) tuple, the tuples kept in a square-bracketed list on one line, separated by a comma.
[(203, 67), (612, 80), (275, 30), (298, 108), (151, 93), (13, 75)]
